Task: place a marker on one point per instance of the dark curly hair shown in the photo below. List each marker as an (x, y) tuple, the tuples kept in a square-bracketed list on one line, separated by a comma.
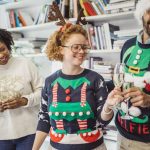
[(6, 38), (57, 39)]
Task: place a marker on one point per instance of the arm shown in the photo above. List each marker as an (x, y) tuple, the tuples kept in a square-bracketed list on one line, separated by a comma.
[(36, 84), (39, 139), (101, 94), (31, 99), (44, 122), (113, 99)]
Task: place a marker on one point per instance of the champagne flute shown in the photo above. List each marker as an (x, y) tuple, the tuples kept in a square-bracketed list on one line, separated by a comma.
[(127, 101), (118, 78)]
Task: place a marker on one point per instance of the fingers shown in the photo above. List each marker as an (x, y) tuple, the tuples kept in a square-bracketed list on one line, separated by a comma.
[(132, 92), (1, 107), (11, 104), (137, 98), (114, 97), (116, 91)]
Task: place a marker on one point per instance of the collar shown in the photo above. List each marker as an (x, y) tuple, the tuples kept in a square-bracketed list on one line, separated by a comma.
[(139, 38)]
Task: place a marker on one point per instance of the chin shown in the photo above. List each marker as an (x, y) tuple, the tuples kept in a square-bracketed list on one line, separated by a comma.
[(3, 63)]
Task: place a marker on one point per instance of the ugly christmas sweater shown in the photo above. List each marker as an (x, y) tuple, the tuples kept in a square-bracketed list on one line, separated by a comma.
[(136, 57), (70, 109)]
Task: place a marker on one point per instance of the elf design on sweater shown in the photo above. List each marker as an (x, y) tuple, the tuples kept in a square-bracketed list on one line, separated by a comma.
[(74, 105), (136, 57)]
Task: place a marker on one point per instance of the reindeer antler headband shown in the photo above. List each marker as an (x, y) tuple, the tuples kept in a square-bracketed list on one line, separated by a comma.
[(55, 14)]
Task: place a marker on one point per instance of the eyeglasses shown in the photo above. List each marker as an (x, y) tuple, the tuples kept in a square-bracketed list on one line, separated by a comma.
[(75, 48)]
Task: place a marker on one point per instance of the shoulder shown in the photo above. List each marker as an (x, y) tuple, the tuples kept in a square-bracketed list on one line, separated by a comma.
[(52, 77), (94, 75), (129, 43)]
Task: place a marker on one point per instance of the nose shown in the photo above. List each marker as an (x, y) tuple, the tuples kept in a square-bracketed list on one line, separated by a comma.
[(1, 55)]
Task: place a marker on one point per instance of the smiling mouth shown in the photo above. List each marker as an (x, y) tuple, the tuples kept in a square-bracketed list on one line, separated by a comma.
[(3, 59)]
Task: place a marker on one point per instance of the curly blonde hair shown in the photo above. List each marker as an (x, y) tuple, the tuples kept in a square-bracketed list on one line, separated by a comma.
[(57, 39)]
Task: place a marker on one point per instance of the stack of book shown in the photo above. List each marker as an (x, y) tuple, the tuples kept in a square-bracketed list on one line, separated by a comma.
[(124, 35), (116, 6), (103, 68), (29, 45)]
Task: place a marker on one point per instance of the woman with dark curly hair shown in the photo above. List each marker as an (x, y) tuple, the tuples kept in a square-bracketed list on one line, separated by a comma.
[(74, 99), (20, 90)]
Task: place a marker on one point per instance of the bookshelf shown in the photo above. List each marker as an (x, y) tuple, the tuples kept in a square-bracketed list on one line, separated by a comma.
[(125, 20), (45, 29), (102, 18)]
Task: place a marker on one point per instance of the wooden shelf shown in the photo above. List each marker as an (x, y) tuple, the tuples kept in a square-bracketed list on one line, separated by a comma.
[(103, 18)]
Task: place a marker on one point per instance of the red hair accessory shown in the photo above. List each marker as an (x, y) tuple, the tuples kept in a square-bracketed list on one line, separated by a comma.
[(66, 26)]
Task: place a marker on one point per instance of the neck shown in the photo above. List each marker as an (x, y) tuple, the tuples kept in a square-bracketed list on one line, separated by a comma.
[(71, 70), (145, 37)]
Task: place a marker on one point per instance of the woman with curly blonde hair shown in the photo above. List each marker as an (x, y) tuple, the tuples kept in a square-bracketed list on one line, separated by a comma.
[(74, 98)]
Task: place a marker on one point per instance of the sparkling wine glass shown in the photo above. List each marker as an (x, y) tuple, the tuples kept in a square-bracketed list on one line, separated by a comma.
[(127, 101), (118, 78)]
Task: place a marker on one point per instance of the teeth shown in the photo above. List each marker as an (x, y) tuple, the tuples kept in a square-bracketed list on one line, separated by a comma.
[(56, 135)]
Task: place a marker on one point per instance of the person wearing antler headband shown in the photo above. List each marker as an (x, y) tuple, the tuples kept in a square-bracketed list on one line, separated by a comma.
[(73, 107)]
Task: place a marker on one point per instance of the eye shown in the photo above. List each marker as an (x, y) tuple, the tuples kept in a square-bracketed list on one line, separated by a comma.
[(76, 47), (85, 47), (2, 49)]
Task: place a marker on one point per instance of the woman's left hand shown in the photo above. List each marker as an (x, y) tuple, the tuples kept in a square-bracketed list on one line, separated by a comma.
[(138, 97), (15, 103), (114, 97)]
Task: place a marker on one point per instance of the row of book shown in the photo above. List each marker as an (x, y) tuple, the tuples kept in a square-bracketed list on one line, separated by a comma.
[(123, 36), (102, 36), (20, 18), (70, 8)]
